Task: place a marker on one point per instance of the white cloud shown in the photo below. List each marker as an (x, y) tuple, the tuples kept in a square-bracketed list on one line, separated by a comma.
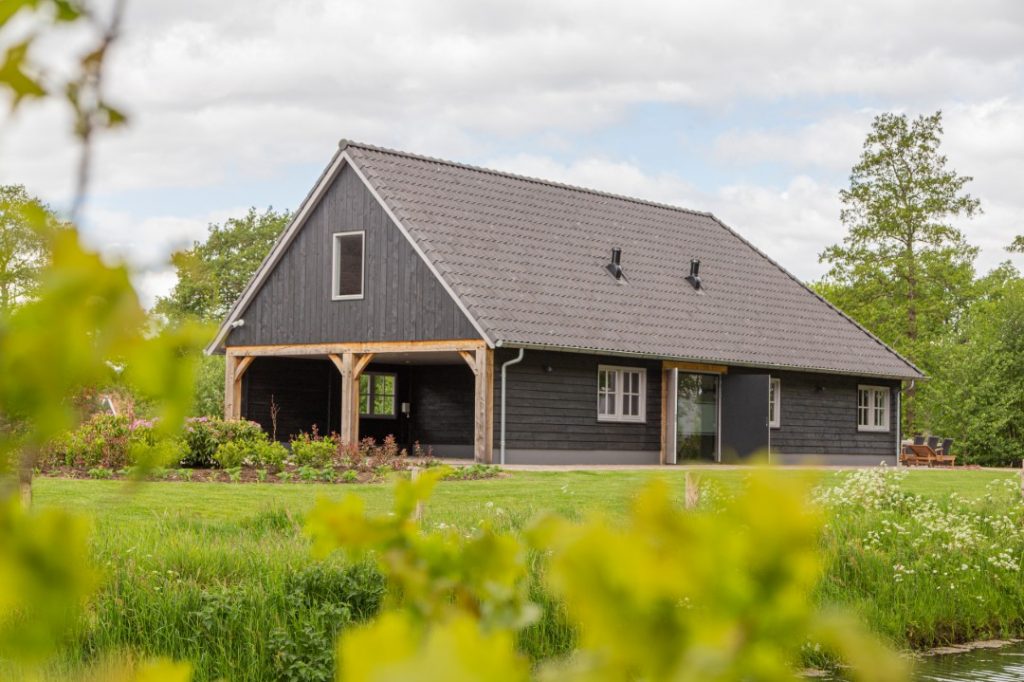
[(146, 244), (229, 88), (233, 92), (792, 224)]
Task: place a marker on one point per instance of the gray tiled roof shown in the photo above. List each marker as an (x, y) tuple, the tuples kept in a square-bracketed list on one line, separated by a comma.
[(527, 259)]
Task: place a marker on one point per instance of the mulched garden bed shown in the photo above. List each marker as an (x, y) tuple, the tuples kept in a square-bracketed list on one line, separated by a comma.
[(290, 474)]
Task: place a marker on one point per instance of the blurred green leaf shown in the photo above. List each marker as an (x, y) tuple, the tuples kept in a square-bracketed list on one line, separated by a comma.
[(14, 76)]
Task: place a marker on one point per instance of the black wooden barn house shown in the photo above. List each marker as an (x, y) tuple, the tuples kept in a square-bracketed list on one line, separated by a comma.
[(510, 319)]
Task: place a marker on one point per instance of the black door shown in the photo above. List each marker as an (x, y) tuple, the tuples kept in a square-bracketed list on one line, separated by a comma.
[(744, 416)]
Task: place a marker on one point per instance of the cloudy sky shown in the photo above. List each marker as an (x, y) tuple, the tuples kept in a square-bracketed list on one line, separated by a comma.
[(752, 110)]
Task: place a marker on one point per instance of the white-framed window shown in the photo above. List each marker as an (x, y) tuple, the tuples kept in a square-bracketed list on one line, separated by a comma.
[(774, 403), (347, 265), (377, 394), (621, 394), (872, 408)]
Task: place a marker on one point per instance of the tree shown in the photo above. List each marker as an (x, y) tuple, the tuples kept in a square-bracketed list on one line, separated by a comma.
[(23, 245), (977, 394), (1017, 246), (903, 270), (212, 274)]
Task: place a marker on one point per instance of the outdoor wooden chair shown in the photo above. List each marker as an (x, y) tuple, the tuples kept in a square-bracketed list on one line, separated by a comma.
[(918, 440), (944, 456), (910, 458), (933, 443), (920, 455)]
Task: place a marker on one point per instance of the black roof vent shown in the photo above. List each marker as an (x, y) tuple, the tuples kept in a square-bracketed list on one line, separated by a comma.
[(615, 267), (694, 276)]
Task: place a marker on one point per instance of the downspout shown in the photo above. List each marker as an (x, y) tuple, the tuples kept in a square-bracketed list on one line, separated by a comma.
[(504, 367)]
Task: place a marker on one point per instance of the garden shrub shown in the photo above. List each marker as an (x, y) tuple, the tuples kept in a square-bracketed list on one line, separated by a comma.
[(104, 441), (270, 456), (257, 453), (231, 454), (203, 436), (313, 450)]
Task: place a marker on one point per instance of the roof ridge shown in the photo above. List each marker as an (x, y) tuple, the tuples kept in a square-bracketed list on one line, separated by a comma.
[(345, 143)]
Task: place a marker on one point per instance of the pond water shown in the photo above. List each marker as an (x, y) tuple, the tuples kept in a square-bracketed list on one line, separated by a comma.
[(980, 665)]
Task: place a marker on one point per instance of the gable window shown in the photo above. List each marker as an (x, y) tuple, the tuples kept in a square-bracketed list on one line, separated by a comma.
[(872, 408), (377, 394), (347, 268), (775, 403), (621, 394)]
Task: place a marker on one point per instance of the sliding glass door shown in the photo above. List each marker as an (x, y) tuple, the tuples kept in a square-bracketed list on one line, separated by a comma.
[(697, 417)]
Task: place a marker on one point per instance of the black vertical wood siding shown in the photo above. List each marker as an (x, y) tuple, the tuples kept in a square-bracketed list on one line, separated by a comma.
[(819, 416), (557, 410), (305, 391), (443, 397), (402, 299), (308, 393)]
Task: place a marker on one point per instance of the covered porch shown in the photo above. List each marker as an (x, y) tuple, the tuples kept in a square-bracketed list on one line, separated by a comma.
[(436, 393)]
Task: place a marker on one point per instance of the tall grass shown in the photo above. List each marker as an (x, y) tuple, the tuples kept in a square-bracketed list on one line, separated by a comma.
[(240, 596), (242, 600), (925, 572)]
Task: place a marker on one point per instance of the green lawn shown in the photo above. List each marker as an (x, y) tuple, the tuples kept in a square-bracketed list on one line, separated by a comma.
[(520, 493)]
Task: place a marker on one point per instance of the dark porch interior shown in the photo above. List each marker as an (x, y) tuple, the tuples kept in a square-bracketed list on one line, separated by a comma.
[(436, 388)]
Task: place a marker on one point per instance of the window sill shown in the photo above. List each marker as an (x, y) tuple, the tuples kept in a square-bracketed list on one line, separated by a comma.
[(873, 429), (353, 297), (620, 420)]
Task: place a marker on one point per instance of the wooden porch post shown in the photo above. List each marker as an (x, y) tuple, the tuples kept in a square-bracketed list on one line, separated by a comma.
[(483, 412), (666, 375), (234, 370), (349, 394), (351, 366), (230, 361)]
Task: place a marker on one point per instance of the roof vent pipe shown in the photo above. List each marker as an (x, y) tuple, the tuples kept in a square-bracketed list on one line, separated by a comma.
[(694, 276), (615, 267)]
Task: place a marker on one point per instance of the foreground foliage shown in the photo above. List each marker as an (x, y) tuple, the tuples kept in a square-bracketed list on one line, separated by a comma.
[(247, 601), (674, 594)]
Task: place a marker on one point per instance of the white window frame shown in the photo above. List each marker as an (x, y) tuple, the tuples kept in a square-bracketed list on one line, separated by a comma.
[(371, 395), (872, 406), (336, 264), (774, 407), (619, 393)]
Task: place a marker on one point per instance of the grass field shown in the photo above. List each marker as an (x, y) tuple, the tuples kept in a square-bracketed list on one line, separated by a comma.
[(521, 493), (220, 574)]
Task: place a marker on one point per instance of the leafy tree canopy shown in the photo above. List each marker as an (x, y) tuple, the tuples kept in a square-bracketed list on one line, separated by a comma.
[(24, 250), (1017, 245), (976, 394), (904, 269), (212, 274)]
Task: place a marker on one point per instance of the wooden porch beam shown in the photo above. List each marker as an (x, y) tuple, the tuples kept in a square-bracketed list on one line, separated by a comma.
[(361, 364), (231, 400), (470, 359), (666, 377), (694, 367), (483, 410), (336, 359), (359, 348), (243, 364), (349, 394)]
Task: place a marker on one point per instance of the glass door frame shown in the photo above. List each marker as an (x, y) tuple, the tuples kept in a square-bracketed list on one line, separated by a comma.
[(671, 394)]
